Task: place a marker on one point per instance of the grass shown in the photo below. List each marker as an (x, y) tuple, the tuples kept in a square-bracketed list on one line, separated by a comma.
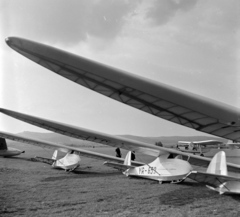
[(35, 189)]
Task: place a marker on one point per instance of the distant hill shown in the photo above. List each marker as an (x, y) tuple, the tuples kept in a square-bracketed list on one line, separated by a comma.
[(166, 140)]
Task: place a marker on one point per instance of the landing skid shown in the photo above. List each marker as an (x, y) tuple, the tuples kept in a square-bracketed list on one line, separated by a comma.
[(72, 169), (173, 181)]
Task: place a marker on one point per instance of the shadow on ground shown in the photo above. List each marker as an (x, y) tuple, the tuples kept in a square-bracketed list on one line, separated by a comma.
[(80, 175), (189, 194)]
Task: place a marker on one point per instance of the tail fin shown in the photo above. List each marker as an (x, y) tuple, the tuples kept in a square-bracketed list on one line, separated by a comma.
[(127, 160), (55, 154), (218, 164), (3, 144)]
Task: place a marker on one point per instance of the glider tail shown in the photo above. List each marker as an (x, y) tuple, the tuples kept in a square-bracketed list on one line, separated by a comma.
[(127, 160), (218, 164), (55, 154), (3, 144)]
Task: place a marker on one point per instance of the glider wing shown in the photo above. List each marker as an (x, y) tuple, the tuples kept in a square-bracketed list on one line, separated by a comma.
[(64, 148), (111, 140), (170, 103)]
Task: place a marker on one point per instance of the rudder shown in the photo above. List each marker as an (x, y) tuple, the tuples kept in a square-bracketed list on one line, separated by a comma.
[(55, 155), (218, 164), (127, 160), (3, 144)]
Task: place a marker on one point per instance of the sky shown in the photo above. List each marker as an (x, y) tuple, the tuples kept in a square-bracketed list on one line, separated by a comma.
[(190, 44)]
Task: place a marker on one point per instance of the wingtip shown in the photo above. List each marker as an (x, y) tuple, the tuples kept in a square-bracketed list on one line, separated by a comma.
[(14, 41), (4, 111), (8, 41)]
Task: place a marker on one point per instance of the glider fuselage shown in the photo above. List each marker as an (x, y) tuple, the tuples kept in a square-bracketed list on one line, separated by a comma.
[(10, 152), (168, 170)]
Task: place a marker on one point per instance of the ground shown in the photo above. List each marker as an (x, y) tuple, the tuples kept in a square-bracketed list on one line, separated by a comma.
[(35, 189)]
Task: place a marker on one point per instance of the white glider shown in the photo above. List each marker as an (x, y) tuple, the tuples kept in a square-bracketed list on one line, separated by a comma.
[(6, 151), (170, 103), (216, 177), (198, 147), (71, 160), (209, 148), (161, 169)]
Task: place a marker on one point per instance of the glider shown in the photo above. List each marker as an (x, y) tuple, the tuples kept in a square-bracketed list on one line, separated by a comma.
[(115, 141), (170, 103), (209, 148), (216, 177), (72, 159), (6, 151), (161, 169), (198, 147)]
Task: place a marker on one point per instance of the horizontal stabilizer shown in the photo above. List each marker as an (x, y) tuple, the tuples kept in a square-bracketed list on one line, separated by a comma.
[(213, 180), (118, 166)]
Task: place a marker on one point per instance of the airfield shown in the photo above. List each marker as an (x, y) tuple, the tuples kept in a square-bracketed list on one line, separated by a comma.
[(35, 189)]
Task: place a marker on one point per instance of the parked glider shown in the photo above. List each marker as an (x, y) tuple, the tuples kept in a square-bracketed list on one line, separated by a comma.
[(216, 177), (72, 159), (170, 103), (162, 169), (198, 147), (115, 141), (6, 151), (209, 148)]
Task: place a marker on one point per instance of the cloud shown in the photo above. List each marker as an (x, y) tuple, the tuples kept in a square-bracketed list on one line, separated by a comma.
[(163, 11), (58, 21)]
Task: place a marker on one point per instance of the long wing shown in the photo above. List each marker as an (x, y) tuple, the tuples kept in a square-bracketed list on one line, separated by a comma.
[(64, 148), (213, 180), (155, 98), (118, 166), (208, 142), (115, 141)]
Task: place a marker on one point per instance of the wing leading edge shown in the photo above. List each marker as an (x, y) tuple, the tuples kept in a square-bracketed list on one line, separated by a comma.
[(115, 141), (155, 98)]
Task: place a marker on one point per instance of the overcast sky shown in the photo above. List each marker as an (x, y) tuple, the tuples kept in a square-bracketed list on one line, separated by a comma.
[(189, 44)]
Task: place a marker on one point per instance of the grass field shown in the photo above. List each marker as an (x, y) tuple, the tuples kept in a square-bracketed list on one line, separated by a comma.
[(35, 189)]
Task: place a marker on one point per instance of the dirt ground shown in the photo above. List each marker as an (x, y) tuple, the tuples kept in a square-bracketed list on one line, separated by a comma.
[(35, 189)]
